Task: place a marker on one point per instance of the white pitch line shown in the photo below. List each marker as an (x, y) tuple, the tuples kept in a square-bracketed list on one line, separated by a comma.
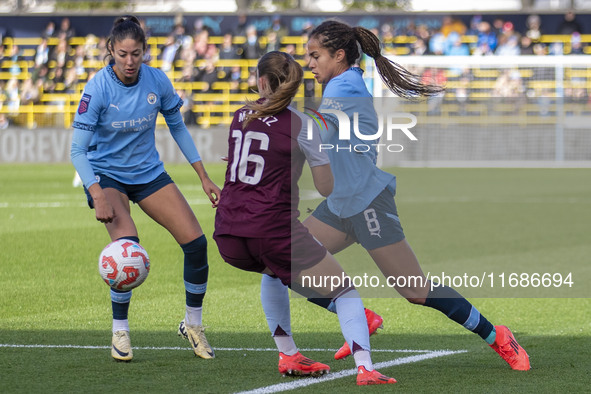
[(228, 349), (348, 372), (59, 204), (41, 204), (427, 354)]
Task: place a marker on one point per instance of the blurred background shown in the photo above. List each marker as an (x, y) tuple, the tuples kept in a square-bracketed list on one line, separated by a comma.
[(516, 71)]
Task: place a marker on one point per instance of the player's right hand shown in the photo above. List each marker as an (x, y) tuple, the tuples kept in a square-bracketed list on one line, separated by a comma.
[(104, 211)]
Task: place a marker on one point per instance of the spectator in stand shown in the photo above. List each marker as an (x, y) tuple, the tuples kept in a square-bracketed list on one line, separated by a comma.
[(58, 76), (509, 46), (450, 25), (556, 49), (307, 28), (234, 77), (487, 40), (3, 95), (410, 30), (273, 42), (29, 93), (208, 74), (419, 47), (526, 45), (42, 53), (540, 49), (252, 48), (90, 74), (13, 98), (49, 30), (4, 123), (71, 81), (201, 44), (101, 49), (168, 53), (78, 60), (534, 24), (66, 30), (211, 53), (198, 26), (15, 55), (41, 73), (228, 50), (509, 85), (435, 76), (189, 116), (148, 33), (456, 47), (576, 44), (423, 33), (252, 80), (437, 43), (387, 37), (188, 74), (147, 30), (497, 26), (242, 25), (462, 95), (570, 24), (182, 39), (278, 28), (473, 28), (187, 57), (290, 49), (60, 54), (503, 39), (49, 83)]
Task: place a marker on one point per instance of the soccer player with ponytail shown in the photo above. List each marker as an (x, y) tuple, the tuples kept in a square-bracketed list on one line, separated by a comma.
[(114, 151), (362, 205), (257, 227)]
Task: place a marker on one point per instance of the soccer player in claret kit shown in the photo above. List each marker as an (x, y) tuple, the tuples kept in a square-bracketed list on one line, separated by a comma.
[(257, 227), (114, 151)]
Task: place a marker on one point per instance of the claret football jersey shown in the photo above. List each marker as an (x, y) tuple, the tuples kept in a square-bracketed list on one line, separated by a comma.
[(265, 161)]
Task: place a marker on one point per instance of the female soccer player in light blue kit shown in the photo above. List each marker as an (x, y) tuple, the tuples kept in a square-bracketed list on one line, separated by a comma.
[(114, 151), (361, 207)]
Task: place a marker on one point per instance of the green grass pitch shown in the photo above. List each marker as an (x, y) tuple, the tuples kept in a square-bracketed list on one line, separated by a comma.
[(55, 311)]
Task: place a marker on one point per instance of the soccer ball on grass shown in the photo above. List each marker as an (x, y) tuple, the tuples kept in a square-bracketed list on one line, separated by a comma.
[(124, 264)]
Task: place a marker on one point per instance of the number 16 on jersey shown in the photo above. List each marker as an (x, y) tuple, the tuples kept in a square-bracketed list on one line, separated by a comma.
[(242, 156)]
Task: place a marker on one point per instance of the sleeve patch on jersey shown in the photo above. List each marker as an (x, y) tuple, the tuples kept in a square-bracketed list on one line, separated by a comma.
[(172, 110), (84, 102), (82, 126)]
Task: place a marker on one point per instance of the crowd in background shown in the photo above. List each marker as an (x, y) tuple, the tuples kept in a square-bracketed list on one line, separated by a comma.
[(61, 67)]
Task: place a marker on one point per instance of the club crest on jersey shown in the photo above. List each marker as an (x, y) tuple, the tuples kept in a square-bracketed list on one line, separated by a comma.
[(152, 98), (84, 102)]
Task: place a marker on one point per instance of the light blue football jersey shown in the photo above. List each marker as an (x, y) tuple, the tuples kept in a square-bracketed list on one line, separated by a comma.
[(357, 179), (122, 120)]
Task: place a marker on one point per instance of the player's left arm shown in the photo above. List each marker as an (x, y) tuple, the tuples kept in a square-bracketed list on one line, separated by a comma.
[(323, 179), (171, 105), (318, 161), (181, 135), (210, 188)]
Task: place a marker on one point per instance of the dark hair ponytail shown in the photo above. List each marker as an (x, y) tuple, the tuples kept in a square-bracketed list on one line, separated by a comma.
[(335, 35), (126, 26)]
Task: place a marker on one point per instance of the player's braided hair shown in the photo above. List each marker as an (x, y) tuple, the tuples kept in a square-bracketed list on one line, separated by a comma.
[(334, 35), (285, 77), (126, 26)]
